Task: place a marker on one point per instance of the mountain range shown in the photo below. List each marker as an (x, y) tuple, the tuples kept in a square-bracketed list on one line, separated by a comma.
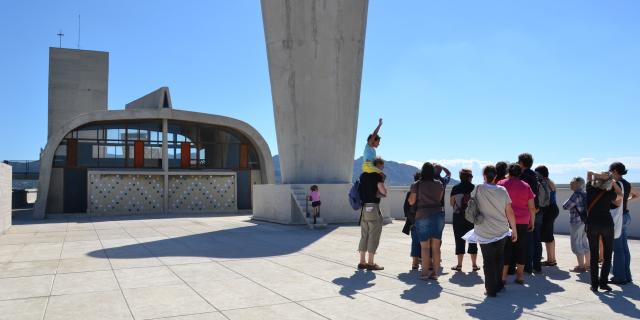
[(398, 174)]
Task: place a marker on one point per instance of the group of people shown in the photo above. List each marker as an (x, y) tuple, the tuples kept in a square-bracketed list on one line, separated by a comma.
[(509, 216)]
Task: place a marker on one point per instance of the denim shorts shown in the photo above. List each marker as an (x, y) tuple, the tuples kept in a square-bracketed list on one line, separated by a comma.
[(430, 227)]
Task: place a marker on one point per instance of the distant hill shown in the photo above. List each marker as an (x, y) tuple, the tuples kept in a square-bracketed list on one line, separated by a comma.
[(398, 174)]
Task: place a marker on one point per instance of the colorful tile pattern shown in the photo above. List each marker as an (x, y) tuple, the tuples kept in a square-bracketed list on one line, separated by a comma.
[(125, 193), (202, 193)]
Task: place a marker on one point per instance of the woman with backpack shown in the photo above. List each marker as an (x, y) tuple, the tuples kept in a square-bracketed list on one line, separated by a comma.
[(577, 213), (460, 195), (550, 212)]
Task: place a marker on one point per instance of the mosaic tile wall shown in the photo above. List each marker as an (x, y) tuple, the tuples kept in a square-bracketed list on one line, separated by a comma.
[(124, 193), (202, 193)]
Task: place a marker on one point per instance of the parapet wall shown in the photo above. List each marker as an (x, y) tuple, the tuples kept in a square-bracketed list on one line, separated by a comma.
[(5, 197)]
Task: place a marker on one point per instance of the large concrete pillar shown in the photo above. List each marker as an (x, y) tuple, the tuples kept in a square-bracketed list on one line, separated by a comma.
[(315, 50)]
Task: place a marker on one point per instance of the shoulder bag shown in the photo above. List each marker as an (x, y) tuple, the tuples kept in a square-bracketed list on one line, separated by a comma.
[(472, 213)]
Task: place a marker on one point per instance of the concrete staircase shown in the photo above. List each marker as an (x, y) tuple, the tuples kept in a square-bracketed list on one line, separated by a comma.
[(299, 193)]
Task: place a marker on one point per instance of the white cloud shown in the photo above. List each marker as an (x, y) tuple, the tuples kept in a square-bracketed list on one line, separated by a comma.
[(561, 171), (453, 163)]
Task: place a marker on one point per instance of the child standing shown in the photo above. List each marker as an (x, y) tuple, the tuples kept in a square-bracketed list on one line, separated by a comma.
[(373, 141), (579, 242), (314, 197)]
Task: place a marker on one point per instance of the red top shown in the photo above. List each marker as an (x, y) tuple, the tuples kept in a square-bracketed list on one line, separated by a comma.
[(520, 194)]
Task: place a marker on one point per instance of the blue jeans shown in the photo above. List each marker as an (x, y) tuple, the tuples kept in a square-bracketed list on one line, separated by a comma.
[(621, 254), (415, 243), (430, 227), (534, 254)]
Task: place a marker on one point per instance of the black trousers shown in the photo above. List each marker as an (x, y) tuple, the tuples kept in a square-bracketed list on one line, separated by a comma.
[(516, 253), (594, 232), (493, 261), (460, 227)]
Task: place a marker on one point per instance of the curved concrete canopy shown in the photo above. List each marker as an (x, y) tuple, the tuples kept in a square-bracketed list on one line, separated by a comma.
[(46, 157)]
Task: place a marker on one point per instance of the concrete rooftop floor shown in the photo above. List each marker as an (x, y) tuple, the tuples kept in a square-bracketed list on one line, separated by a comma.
[(228, 267)]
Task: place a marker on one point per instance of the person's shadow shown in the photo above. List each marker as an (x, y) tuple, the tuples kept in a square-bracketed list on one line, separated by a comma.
[(422, 291), (620, 301), (516, 298), (360, 280), (466, 279)]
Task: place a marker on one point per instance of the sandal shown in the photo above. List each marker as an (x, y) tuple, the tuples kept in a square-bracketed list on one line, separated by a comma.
[(519, 281), (362, 266), (374, 267), (475, 268), (433, 277), (578, 269), (415, 267), (457, 268), (548, 263)]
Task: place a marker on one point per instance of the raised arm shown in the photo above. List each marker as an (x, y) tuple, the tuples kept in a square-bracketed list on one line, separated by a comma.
[(446, 171), (375, 132)]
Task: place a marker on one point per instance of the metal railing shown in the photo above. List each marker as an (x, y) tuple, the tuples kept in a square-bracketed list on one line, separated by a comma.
[(24, 169)]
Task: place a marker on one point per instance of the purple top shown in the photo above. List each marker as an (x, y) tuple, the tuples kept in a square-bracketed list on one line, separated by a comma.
[(315, 196)]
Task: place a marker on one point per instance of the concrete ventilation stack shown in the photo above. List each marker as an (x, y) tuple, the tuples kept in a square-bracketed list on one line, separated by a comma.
[(78, 83), (315, 51)]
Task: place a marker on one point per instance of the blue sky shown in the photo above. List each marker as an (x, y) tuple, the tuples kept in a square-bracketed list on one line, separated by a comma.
[(461, 82)]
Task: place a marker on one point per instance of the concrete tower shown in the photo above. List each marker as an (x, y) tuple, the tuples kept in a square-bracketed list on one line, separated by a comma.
[(78, 83), (315, 50)]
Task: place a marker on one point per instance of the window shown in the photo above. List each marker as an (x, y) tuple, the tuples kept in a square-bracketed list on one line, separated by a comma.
[(112, 145)]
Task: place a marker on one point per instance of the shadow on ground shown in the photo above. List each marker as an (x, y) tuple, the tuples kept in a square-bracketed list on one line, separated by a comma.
[(360, 280), (519, 298), (620, 301), (255, 241), (422, 291)]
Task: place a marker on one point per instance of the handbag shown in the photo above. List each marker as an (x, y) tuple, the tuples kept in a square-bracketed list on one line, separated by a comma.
[(410, 211), (472, 213)]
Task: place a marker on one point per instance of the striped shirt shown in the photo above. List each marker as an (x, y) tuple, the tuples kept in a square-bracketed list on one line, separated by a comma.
[(575, 204)]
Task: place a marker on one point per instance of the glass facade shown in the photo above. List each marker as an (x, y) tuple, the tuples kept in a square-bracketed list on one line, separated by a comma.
[(209, 147), (112, 145), (139, 145)]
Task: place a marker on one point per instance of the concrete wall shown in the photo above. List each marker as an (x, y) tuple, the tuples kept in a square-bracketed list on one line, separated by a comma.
[(78, 83), (272, 203), (315, 51), (5, 197), (397, 194)]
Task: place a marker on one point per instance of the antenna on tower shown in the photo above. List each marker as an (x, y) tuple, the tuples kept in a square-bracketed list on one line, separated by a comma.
[(60, 35), (78, 31)]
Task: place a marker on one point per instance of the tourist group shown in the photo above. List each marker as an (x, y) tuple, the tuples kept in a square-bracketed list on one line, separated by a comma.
[(510, 215)]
